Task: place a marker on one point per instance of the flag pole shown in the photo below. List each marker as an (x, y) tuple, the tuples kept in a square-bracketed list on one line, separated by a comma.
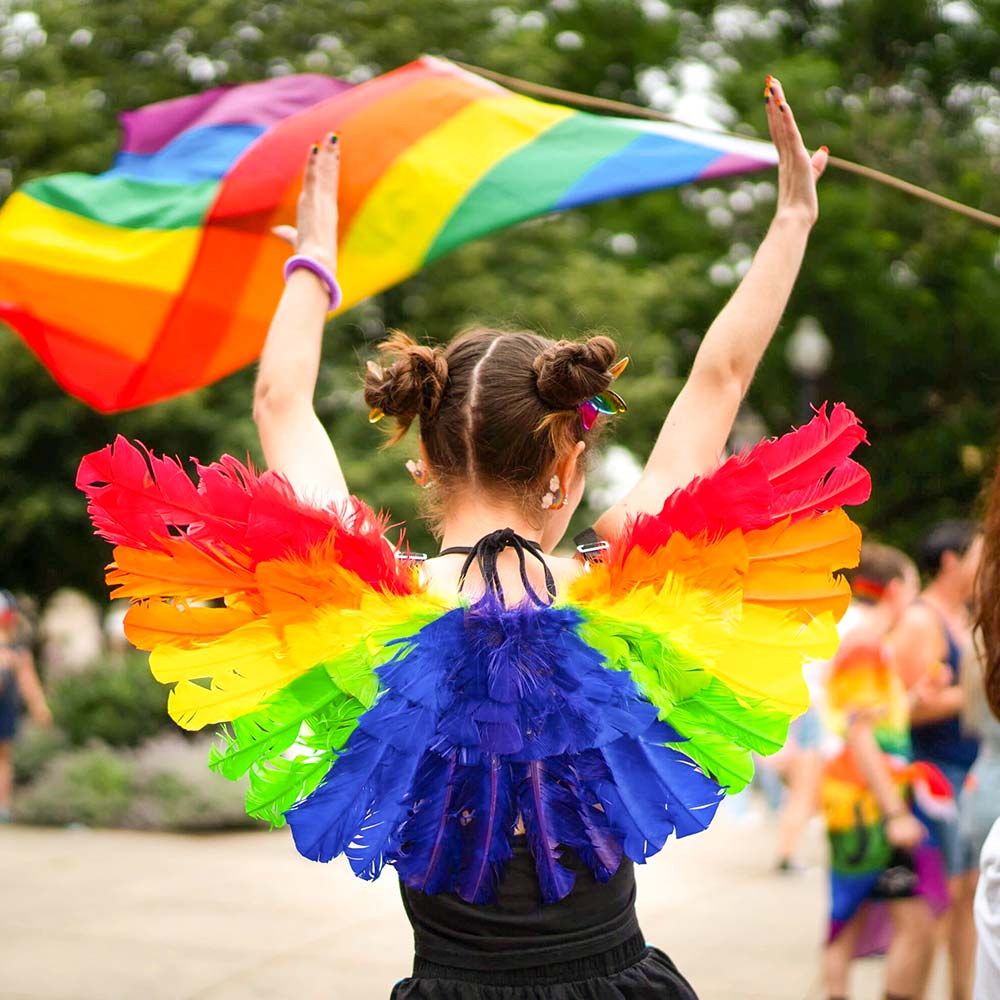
[(635, 111)]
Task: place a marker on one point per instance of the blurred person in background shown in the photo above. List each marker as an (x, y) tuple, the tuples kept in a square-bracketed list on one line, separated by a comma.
[(800, 765), (887, 874), (983, 794), (18, 680), (931, 644)]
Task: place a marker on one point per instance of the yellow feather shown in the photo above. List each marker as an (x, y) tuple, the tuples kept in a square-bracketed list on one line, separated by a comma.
[(755, 651), (791, 564), (331, 631), (244, 650)]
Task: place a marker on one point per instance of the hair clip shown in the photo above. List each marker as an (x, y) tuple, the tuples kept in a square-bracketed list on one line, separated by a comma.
[(608, 402), (405, 555), (375, 414), (619, 366)]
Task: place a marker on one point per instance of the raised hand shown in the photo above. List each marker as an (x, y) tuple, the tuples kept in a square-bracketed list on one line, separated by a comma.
[(798, 172), (316, 231)]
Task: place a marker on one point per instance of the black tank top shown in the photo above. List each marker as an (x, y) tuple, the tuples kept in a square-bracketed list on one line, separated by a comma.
[(518, 931)]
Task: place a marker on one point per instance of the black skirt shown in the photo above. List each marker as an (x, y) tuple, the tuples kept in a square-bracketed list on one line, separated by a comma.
[(587, 946)]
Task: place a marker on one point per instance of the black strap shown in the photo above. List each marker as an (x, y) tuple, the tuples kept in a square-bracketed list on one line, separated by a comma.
[(485, 553)]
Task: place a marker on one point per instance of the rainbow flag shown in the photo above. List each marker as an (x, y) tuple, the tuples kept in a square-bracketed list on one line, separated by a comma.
[(161, 275)]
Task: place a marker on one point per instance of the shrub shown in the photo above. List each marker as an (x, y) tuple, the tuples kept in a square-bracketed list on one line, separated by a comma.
[(92, 786), (163, 785), (179, 792), (34, 748), (117, 705)]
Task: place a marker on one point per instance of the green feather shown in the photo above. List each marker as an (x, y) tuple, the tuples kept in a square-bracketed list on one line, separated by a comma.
[(318, 712), (720, 730)]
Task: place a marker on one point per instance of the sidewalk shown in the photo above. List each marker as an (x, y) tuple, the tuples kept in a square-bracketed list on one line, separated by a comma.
[(103, 915)]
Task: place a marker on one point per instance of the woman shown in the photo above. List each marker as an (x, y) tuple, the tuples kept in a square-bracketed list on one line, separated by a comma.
[(887, 874), (984, 792), (510, 730), (932, 642), (18, 681)]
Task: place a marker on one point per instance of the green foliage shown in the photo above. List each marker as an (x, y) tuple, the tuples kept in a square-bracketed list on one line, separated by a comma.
[(163, 785), (906, 292), (92, 786), (120, 706), (34, 748)]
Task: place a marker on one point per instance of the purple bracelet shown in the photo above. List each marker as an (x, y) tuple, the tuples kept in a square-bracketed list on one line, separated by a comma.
[(311, 264)]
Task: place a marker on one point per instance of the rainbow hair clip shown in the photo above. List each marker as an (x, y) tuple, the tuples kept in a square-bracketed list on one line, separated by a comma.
[(608, 402)]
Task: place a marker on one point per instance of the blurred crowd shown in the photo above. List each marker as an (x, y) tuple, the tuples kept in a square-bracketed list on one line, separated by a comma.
[(899, 754)]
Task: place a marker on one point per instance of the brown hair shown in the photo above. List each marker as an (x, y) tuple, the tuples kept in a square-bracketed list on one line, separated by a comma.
[(878, 566), (495, 408), (988, 595)]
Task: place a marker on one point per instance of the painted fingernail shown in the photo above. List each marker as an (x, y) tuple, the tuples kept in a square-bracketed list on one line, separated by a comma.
[(826, 149), (315, 149), (333, 138)]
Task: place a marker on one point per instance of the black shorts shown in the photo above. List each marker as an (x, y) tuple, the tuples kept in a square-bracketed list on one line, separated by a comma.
[(899, 880)]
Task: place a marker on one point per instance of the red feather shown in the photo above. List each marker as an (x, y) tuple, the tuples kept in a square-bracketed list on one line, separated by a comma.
[(805, 472), (848, 485), (145, 502), (795, 461)]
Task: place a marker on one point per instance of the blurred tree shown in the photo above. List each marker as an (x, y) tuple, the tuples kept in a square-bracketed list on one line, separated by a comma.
[(906, 292)]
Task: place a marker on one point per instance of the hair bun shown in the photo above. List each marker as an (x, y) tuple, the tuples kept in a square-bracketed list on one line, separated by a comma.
[(413, 383), (569, 371)]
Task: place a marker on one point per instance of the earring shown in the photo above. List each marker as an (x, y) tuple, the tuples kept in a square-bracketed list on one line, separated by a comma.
[(419, 472), (555, 498)]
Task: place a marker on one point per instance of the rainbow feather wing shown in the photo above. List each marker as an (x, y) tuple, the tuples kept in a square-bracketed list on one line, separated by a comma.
[(713, 604), (309, 599), (394, 729)]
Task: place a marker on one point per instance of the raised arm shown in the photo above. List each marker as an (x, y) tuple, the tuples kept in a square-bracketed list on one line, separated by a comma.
[(295, 443), (697, 426)]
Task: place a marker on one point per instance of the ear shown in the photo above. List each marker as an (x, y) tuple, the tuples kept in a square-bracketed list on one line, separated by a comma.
[(567, 468)]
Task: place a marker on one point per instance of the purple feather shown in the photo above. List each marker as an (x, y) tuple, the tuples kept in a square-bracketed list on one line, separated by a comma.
[(427, 845), (488, 816), (548, 810)]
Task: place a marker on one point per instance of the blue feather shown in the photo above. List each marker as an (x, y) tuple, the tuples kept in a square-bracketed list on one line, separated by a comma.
[(487, 816), (548, 810), (324, 823), (662, 790), (426, 847), (372, 843)]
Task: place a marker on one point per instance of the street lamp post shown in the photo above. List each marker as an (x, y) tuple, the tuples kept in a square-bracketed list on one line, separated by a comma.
[(808, 353)]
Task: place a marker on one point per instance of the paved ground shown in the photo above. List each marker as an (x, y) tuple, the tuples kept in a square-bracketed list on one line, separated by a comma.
[(103, 915)]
